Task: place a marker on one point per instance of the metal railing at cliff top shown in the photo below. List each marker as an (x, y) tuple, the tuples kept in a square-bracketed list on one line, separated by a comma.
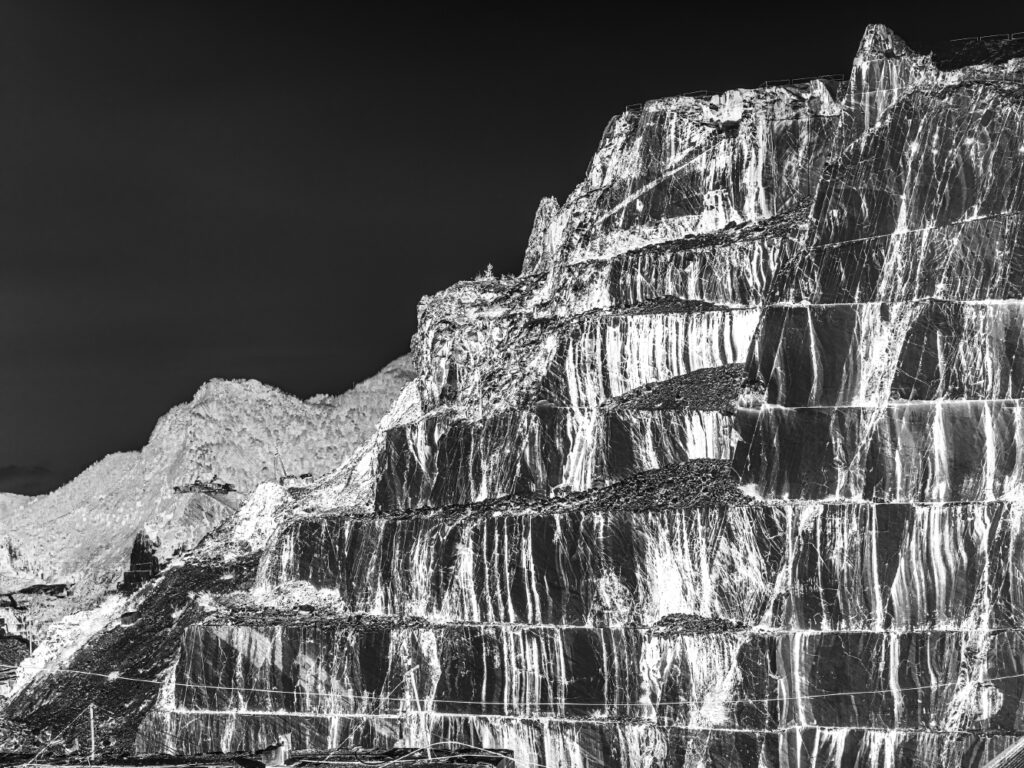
[(801, 80), (980, 38)]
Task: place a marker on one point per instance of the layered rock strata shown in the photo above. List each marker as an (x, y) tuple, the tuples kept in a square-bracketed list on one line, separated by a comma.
[(582, 536)]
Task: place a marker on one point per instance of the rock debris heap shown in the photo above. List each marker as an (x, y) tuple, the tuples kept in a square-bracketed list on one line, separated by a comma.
[(585, 535)]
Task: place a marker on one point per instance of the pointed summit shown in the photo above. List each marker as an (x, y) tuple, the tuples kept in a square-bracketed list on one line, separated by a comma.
[(880, 42), (732, 483)]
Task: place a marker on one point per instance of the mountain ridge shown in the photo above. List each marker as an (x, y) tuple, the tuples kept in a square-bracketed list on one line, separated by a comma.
[(730, 475), (241, 432)]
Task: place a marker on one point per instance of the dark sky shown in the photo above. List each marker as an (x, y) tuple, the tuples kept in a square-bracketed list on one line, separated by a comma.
[(265, 190)]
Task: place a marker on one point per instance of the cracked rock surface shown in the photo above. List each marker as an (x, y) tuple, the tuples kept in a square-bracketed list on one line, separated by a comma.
[(730, 475)]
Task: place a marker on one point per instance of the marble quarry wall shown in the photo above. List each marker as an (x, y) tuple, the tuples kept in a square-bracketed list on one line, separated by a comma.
[(731, 475)]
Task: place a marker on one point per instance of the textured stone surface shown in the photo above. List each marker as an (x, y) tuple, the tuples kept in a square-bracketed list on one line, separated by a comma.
[(241, 432), (731, 475)]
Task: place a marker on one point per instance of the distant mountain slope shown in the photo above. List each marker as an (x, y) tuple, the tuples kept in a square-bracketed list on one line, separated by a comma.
[(238, 432), (731, 475)]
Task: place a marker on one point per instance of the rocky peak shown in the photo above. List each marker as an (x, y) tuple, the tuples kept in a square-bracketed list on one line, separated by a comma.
[(880, 42), (233, 434), (730, 475)]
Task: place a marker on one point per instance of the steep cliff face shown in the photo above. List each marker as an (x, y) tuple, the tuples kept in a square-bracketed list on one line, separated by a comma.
[(235, 433), (653, 269), (730, 475)]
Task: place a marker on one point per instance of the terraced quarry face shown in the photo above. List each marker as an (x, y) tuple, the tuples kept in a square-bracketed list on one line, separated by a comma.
[(731, 475)]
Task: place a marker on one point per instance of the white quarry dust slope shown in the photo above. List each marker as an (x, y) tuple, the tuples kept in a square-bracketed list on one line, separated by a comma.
[(241, 432)]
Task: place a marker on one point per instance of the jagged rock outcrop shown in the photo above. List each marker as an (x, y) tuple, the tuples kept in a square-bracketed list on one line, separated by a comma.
[(585, 536), (200, 461)]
